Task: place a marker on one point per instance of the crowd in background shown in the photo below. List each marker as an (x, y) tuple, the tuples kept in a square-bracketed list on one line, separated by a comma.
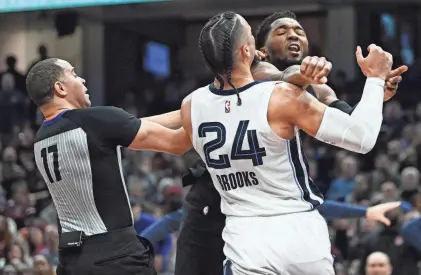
[(28, 221)]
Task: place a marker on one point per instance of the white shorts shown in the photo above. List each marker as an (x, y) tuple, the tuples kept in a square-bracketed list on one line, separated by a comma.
[(293, 244)]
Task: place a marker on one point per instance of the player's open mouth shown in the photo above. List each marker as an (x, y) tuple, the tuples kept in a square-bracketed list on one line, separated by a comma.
[(294, 48)]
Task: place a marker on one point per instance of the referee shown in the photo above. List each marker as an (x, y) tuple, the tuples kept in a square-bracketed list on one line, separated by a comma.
[(77, 152)]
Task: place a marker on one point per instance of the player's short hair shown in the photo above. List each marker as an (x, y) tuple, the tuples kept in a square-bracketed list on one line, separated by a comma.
[(216, 42), (41, 79), (264, 28)]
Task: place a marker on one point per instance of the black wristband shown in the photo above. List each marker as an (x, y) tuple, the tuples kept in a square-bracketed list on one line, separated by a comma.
[(342, 106)]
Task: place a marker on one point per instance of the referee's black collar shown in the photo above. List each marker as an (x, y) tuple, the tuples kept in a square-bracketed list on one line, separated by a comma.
[(232, 91)]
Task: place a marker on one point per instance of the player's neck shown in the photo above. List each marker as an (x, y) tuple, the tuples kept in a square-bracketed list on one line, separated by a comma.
[(53, 108), (238, 79)]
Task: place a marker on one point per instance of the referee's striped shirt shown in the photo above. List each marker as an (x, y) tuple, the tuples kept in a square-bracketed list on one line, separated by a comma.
[(78, 155)]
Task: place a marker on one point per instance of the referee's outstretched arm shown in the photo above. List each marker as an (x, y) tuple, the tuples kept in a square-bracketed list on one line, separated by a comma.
[(120, 128), (154, 137), (170, 120)]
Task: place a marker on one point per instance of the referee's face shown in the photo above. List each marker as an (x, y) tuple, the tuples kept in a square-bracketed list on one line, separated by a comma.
[(74, 86)]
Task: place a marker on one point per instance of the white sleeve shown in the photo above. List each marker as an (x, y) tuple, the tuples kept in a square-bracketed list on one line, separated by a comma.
[(357, 132)]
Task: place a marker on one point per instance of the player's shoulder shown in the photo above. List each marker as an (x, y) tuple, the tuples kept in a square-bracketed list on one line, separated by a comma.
[(199, 91), (284, 90), (284, 97), (203, 89), (187, 99)]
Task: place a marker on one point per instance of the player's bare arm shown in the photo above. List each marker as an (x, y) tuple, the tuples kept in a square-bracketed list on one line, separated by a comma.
[(170, 120), (154, 137), (358, 132), (312, 70), (301, 76), (265, 71), (293, 74)]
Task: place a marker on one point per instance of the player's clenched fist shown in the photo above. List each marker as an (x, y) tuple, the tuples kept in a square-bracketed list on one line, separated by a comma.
[(378, 62), (316, 69)]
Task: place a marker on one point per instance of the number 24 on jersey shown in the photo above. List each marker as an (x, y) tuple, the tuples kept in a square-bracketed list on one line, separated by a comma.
[(255, 153)]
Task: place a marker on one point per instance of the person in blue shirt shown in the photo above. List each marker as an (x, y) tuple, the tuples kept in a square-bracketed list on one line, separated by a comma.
[(329, 210), (411, 233), (345, 184), (163, 246)]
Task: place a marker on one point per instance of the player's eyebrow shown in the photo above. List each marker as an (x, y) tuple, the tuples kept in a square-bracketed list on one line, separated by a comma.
[(286, 26), (278, 24)]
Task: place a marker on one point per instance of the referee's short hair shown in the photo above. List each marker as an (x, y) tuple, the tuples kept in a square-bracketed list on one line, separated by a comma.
[(41, 79)]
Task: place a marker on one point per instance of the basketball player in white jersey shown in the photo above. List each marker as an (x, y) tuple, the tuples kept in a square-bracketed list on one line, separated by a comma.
[(247, 134)]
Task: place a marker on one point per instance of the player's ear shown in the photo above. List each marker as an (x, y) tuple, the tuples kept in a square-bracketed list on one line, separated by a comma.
[(59, 89), (246, 51)]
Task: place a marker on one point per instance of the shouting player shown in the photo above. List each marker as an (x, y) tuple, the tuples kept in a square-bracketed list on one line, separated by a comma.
[(253, 151)]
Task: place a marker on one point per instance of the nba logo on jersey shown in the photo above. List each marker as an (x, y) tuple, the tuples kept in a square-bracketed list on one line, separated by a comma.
[(227, 106)]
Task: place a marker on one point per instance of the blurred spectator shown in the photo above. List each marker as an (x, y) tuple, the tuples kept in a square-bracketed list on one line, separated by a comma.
[(129, 103), (36, 240), (179, 86), (393, 119), (410, 180), (378, 263), (42, 55), (18, 77), (17, 257), (6, 239), (11, 170), (362, 190), (18, 207), (12, 105), (51, 248), (384, 171), (42, 266), (345, 183), (9, 270), (404, 258)]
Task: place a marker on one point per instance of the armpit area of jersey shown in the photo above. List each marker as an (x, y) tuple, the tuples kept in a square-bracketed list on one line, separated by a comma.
[(342, 106), (197, 170)]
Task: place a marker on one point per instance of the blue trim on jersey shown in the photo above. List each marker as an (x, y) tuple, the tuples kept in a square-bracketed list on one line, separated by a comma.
[(299, 174), (232, 91), (54, 119), (313, 186), (293, 170), (228, 268)]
